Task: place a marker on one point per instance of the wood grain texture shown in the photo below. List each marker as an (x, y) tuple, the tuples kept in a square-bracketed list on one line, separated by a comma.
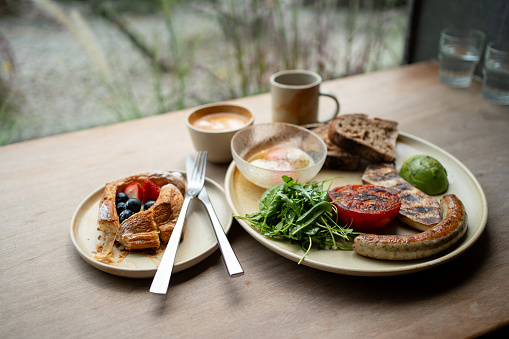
[(49, 291)]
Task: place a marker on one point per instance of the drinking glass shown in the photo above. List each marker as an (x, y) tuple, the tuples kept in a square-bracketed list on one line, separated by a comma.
[(495, 86), (459, 53)]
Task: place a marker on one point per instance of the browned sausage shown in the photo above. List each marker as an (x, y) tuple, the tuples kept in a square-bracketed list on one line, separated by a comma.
[(421, 245)]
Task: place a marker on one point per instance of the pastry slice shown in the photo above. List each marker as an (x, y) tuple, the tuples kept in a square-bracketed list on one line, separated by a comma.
[(167, 210), (147, 228), (143, 229)]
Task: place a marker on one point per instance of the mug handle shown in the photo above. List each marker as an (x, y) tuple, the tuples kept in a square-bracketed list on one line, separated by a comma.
[(329, 94)]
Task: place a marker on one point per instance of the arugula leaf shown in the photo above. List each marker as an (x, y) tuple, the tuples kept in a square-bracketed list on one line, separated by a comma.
[(302, 214), (270, 200)]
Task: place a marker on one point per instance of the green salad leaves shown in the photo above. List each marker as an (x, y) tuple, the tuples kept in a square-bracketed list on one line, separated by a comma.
[(302, 214)]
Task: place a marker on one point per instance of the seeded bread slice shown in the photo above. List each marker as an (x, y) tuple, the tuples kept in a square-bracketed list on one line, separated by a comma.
[(337, 158), (373, 139)]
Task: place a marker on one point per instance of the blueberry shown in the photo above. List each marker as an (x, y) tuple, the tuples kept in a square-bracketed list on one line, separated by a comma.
[(125, 214), (120, 207), (121, 197), (148, 204), (133, 204)]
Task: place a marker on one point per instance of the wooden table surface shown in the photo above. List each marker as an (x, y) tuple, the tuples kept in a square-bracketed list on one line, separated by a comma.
[(48, 290)]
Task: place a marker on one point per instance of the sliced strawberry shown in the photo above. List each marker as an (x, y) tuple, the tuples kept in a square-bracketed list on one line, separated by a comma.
[(134, 190), (151, 190)]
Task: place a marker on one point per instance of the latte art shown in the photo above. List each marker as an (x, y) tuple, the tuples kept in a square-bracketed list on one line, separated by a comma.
[(220, 122)]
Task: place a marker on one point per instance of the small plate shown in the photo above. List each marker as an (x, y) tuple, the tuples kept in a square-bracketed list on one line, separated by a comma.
[(244, 198), (198, 243)]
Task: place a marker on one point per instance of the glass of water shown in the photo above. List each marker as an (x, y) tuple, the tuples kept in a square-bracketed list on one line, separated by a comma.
[(458, 54), (495, 86)]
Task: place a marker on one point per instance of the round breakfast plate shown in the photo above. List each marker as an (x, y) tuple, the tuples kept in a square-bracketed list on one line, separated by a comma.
[(197, 244), (243, 198)]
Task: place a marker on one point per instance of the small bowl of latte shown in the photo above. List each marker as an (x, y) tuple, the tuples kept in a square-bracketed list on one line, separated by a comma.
[(212, 127)]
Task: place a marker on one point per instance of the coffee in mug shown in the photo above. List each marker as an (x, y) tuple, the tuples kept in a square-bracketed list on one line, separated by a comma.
[(295, 97)]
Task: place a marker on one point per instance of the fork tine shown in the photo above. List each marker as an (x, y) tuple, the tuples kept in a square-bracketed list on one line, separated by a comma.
[(195, 172), (197, 175), (201, 167)]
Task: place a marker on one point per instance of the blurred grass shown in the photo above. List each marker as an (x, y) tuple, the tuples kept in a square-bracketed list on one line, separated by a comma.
[(207, 51)]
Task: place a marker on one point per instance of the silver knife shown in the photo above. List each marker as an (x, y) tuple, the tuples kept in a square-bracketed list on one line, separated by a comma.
[(230, 259)]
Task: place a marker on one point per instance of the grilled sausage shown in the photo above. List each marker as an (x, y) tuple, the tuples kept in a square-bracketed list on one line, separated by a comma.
[(421, 245)]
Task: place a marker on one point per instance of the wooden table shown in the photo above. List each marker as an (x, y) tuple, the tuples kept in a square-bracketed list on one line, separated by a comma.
[(48, 290)]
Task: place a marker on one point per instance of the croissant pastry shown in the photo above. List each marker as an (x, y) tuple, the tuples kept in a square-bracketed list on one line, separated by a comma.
[(149, 227)]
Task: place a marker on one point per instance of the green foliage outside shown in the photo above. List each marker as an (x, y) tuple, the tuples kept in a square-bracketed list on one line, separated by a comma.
[(197, 52)]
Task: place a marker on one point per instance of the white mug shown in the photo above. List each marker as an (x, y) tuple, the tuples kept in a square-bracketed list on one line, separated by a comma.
[(295, 97)]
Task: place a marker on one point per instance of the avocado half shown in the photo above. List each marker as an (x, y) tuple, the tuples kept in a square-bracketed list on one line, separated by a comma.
[(426, 173)]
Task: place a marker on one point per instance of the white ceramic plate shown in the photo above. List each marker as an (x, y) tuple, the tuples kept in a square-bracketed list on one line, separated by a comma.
[(198, 243), (243, 197)]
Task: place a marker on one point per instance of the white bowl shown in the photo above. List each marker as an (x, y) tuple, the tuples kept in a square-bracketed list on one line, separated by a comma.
[(216, 142), (256, 138)]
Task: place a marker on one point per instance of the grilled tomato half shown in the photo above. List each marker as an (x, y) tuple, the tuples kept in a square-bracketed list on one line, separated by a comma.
[(365, 208)]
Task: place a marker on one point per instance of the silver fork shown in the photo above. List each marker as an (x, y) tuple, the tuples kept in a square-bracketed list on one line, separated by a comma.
[(195, 182)]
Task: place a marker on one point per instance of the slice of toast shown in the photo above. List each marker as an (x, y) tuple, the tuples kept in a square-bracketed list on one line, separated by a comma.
[(337, 158), (373, 139)]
